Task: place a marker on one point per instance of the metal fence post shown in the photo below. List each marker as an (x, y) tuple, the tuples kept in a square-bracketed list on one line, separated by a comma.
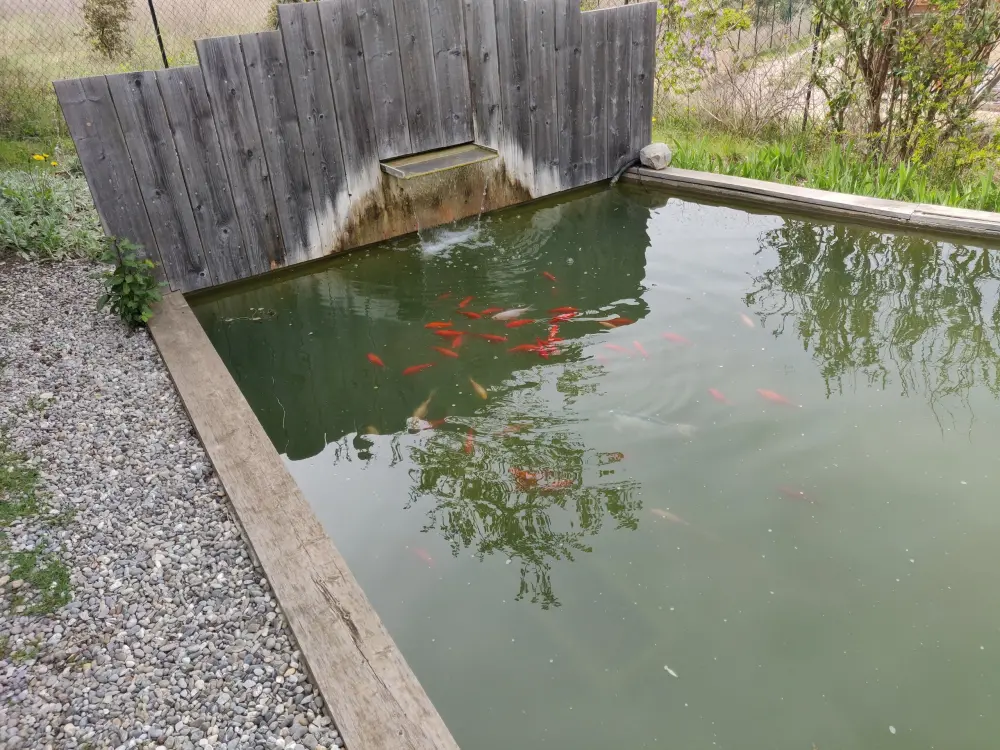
[(159, 37)]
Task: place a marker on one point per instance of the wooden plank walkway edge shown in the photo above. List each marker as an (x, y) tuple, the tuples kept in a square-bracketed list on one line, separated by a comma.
[(775, 195), (373, 696)]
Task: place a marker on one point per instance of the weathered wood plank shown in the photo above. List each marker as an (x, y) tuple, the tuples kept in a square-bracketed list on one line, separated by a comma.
[(352, 99), (93, 124), (451, 70), (484, 71), (239, 135), (593, 97), (542, 82), (200, 155), (569, 95), (377, 701), (377, 21), (416, 55), (512, 48), (144, 124), (277, 118), (618, 88), (317, 117), (642, 73)]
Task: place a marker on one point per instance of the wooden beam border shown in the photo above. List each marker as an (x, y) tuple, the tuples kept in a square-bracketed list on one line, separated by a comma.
[(842, 206), (373, 697)]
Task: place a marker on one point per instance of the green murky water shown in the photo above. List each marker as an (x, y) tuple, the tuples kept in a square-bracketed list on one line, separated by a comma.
[(617, 557)]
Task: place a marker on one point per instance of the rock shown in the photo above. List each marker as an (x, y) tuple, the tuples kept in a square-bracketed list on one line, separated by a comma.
[(656, 156)]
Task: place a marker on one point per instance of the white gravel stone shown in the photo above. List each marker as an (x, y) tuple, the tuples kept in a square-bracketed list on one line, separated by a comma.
[(168, 613), (656, 156)]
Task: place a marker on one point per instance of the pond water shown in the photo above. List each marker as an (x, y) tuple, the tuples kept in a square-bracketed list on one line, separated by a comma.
[(763, 514)]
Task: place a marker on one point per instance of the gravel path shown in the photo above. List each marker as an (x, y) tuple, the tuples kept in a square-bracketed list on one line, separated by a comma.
[(172, 638)]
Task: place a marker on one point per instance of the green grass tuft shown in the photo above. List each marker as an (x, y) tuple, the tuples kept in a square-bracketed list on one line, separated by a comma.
[(18, 486), (45, 586)]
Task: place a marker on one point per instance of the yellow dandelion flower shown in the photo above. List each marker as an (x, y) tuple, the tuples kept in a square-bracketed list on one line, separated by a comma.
[(38, 157), (654, 119), (55, 164), (45, 156)]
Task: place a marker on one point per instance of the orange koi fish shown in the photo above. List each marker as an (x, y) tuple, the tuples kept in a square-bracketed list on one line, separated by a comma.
[(465, 302), (448, 334), (676, 338), (639, 348), (605, 324), (470, 439), (491, 310), (439, 324), (446, 295), (610, 458), (519, 323), (718, 395), (621, 321), (556, 485), (480, 391), (526, 479), (563, 310), (554, 333), (457, 342), (445, 352), (470, 314), (423, 555), (548, 275), (375, 360), (491, 337), (774, 398), (413, 369), (616, 348), (523, 348), (562, 317)]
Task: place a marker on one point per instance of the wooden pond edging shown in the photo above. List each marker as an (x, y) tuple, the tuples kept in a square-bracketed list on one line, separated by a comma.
[(373, 697), (779, 197)]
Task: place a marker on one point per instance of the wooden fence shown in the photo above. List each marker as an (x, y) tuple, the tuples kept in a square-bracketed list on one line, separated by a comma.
[(268, 152)]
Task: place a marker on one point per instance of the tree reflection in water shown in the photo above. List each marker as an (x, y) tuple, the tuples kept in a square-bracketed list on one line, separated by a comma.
[(861, 299), (477, 503)]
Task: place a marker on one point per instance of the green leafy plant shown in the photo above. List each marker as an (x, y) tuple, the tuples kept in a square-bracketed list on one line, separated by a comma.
[(45, 216), (130, 289)]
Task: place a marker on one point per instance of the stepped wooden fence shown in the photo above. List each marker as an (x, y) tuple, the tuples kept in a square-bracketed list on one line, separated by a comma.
[(274, 149)]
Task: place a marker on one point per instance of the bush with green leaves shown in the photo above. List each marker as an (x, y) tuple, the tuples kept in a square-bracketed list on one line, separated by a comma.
[(130, 288), (45, 216)]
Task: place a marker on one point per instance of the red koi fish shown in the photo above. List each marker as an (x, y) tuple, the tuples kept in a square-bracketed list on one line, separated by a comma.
[(562, 317), (465, 302), (616, 348), (620, 322), (491, 310), (604, 324), (435, 423), (470, 440), (445, 352), (519, 323), (554, 333), (793, 493), (413, 369), (470, 314), (718, 395), (524, 348), (676, 338), (446, 295), (448, 334), (375, 360), (423, 555), (526, 479), (457, 342), (563, 310), (491, 337), (639, 348), (548, 275), (774, 398), (439, 324)]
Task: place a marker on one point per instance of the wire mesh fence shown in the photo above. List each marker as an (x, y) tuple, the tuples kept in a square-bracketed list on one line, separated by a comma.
[(44, 40)]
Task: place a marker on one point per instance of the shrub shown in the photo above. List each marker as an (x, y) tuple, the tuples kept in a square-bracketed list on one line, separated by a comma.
[(48, 217), (107, 24), (129, 288)]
